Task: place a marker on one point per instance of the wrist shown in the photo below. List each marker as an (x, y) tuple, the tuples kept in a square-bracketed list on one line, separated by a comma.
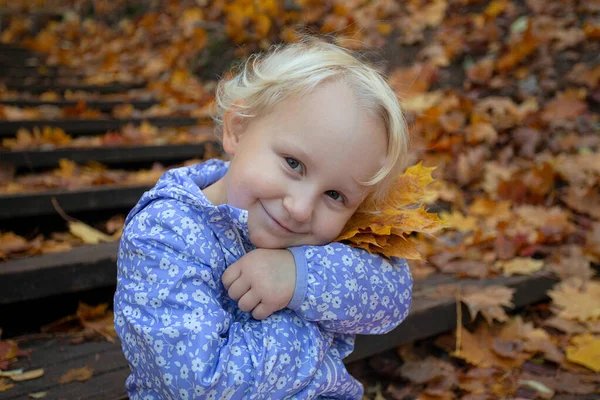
[(301, 278)]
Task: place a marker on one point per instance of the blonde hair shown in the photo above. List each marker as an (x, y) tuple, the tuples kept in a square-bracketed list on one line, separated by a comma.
[(264, 80)]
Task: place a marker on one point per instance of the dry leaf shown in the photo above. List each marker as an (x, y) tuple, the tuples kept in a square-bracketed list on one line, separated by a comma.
[(423, 371), (26, 376), (88, 234), (585, 351), (383, 227), (519, 266), (577, 300), (476, 349), (5, 385), (37, 395), (78, 374), (489, 301)]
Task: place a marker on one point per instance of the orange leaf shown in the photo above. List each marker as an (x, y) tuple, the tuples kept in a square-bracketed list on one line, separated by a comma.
[(384, 226)]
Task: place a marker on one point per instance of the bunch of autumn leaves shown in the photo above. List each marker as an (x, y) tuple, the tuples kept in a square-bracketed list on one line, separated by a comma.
[(385, 227)]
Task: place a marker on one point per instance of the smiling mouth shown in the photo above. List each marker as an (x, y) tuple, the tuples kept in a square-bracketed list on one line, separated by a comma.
[(276, 222)]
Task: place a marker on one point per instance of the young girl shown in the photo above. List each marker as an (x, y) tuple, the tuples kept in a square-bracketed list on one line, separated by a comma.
[(229, 285)]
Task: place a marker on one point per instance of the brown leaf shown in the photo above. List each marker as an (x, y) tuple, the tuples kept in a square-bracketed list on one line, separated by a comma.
[(519, 266), (383, 226), (423, 371), (488, 300), (476, 349), (12, 243), (577, 300), (583, 200), (508, 348), (466, 268), (564, 106), (77, 374), (28, 375), (564, 325)]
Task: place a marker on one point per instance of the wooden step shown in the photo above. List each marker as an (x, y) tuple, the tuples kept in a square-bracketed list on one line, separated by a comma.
[(429, 316), (37, 89), (83, 127), (95, 198), (102, 105), (82, 268), (109, 155), (39, 70)]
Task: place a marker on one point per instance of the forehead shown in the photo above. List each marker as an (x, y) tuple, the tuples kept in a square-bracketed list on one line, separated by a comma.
[(333, 131)]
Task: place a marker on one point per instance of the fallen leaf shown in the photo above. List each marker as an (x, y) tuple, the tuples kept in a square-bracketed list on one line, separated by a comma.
[(28, 375), (564, 325), (5, 385), (544, 391), (88, 234), (577, 300), (488, 300), (12, 243), (519, 266), (585, 351), (78, 374), (37, 395), (423, 371)]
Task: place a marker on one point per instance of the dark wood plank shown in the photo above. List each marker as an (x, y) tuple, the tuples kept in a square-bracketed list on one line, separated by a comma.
[(82, 268), (430, 316), (102, 197), (107, 155), (102, 105), (103, 363), (41, 88), (82, 127), (38, 70)]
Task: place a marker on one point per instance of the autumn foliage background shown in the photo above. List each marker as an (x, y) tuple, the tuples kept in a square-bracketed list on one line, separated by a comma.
[(502, 99)]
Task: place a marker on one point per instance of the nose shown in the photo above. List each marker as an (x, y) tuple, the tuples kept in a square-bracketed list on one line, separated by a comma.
[(300, 206)]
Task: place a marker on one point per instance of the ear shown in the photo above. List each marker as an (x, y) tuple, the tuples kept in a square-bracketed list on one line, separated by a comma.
[(233, 127)]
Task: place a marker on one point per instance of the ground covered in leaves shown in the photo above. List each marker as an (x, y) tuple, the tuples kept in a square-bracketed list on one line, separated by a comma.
[(502, 98)]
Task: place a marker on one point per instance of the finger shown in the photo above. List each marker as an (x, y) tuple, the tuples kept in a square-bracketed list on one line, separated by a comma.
[(248, 301), (238, 288), (231, 274), (261, 311)]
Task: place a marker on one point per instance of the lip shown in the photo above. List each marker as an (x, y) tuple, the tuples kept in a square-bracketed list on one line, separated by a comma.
[(276, 222)]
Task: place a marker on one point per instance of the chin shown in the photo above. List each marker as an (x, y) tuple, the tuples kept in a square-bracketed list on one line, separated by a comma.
[(263, 241)]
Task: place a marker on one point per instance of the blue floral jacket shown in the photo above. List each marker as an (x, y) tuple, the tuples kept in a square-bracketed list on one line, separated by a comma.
[(184, 338)]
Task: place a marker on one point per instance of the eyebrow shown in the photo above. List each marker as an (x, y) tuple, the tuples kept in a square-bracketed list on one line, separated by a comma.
[(297, 149)]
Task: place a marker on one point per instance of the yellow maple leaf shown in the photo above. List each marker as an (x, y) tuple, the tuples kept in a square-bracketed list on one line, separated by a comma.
[(585, 351), (519, 266), (577, 299), (384, 226)]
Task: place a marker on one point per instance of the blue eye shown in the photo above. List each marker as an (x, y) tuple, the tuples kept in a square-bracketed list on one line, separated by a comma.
[(293, 163), (334, 195)]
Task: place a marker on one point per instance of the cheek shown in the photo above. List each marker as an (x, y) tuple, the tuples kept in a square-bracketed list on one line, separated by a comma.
[(330, 226)]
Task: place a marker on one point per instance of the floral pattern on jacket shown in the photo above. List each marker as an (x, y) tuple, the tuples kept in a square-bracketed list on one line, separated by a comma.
[(184, 338)]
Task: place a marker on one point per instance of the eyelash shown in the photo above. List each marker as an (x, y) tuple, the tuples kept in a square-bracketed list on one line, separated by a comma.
[(290, 161)]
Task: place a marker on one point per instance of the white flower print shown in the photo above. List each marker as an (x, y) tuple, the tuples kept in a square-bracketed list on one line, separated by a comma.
[(163, 294), (164, 263), (347, 260), (181, 297), (160, 361), (173, 270), (158, 346), (141, 298), (170, 299)]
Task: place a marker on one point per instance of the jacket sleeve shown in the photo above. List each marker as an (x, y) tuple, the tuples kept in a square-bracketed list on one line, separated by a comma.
[(184, 338), (348, 290)]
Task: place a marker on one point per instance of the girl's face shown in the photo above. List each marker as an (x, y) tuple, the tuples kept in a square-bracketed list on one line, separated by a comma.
[(297, 170)]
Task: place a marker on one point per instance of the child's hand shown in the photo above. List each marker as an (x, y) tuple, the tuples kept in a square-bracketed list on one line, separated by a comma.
[(262, 281)]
